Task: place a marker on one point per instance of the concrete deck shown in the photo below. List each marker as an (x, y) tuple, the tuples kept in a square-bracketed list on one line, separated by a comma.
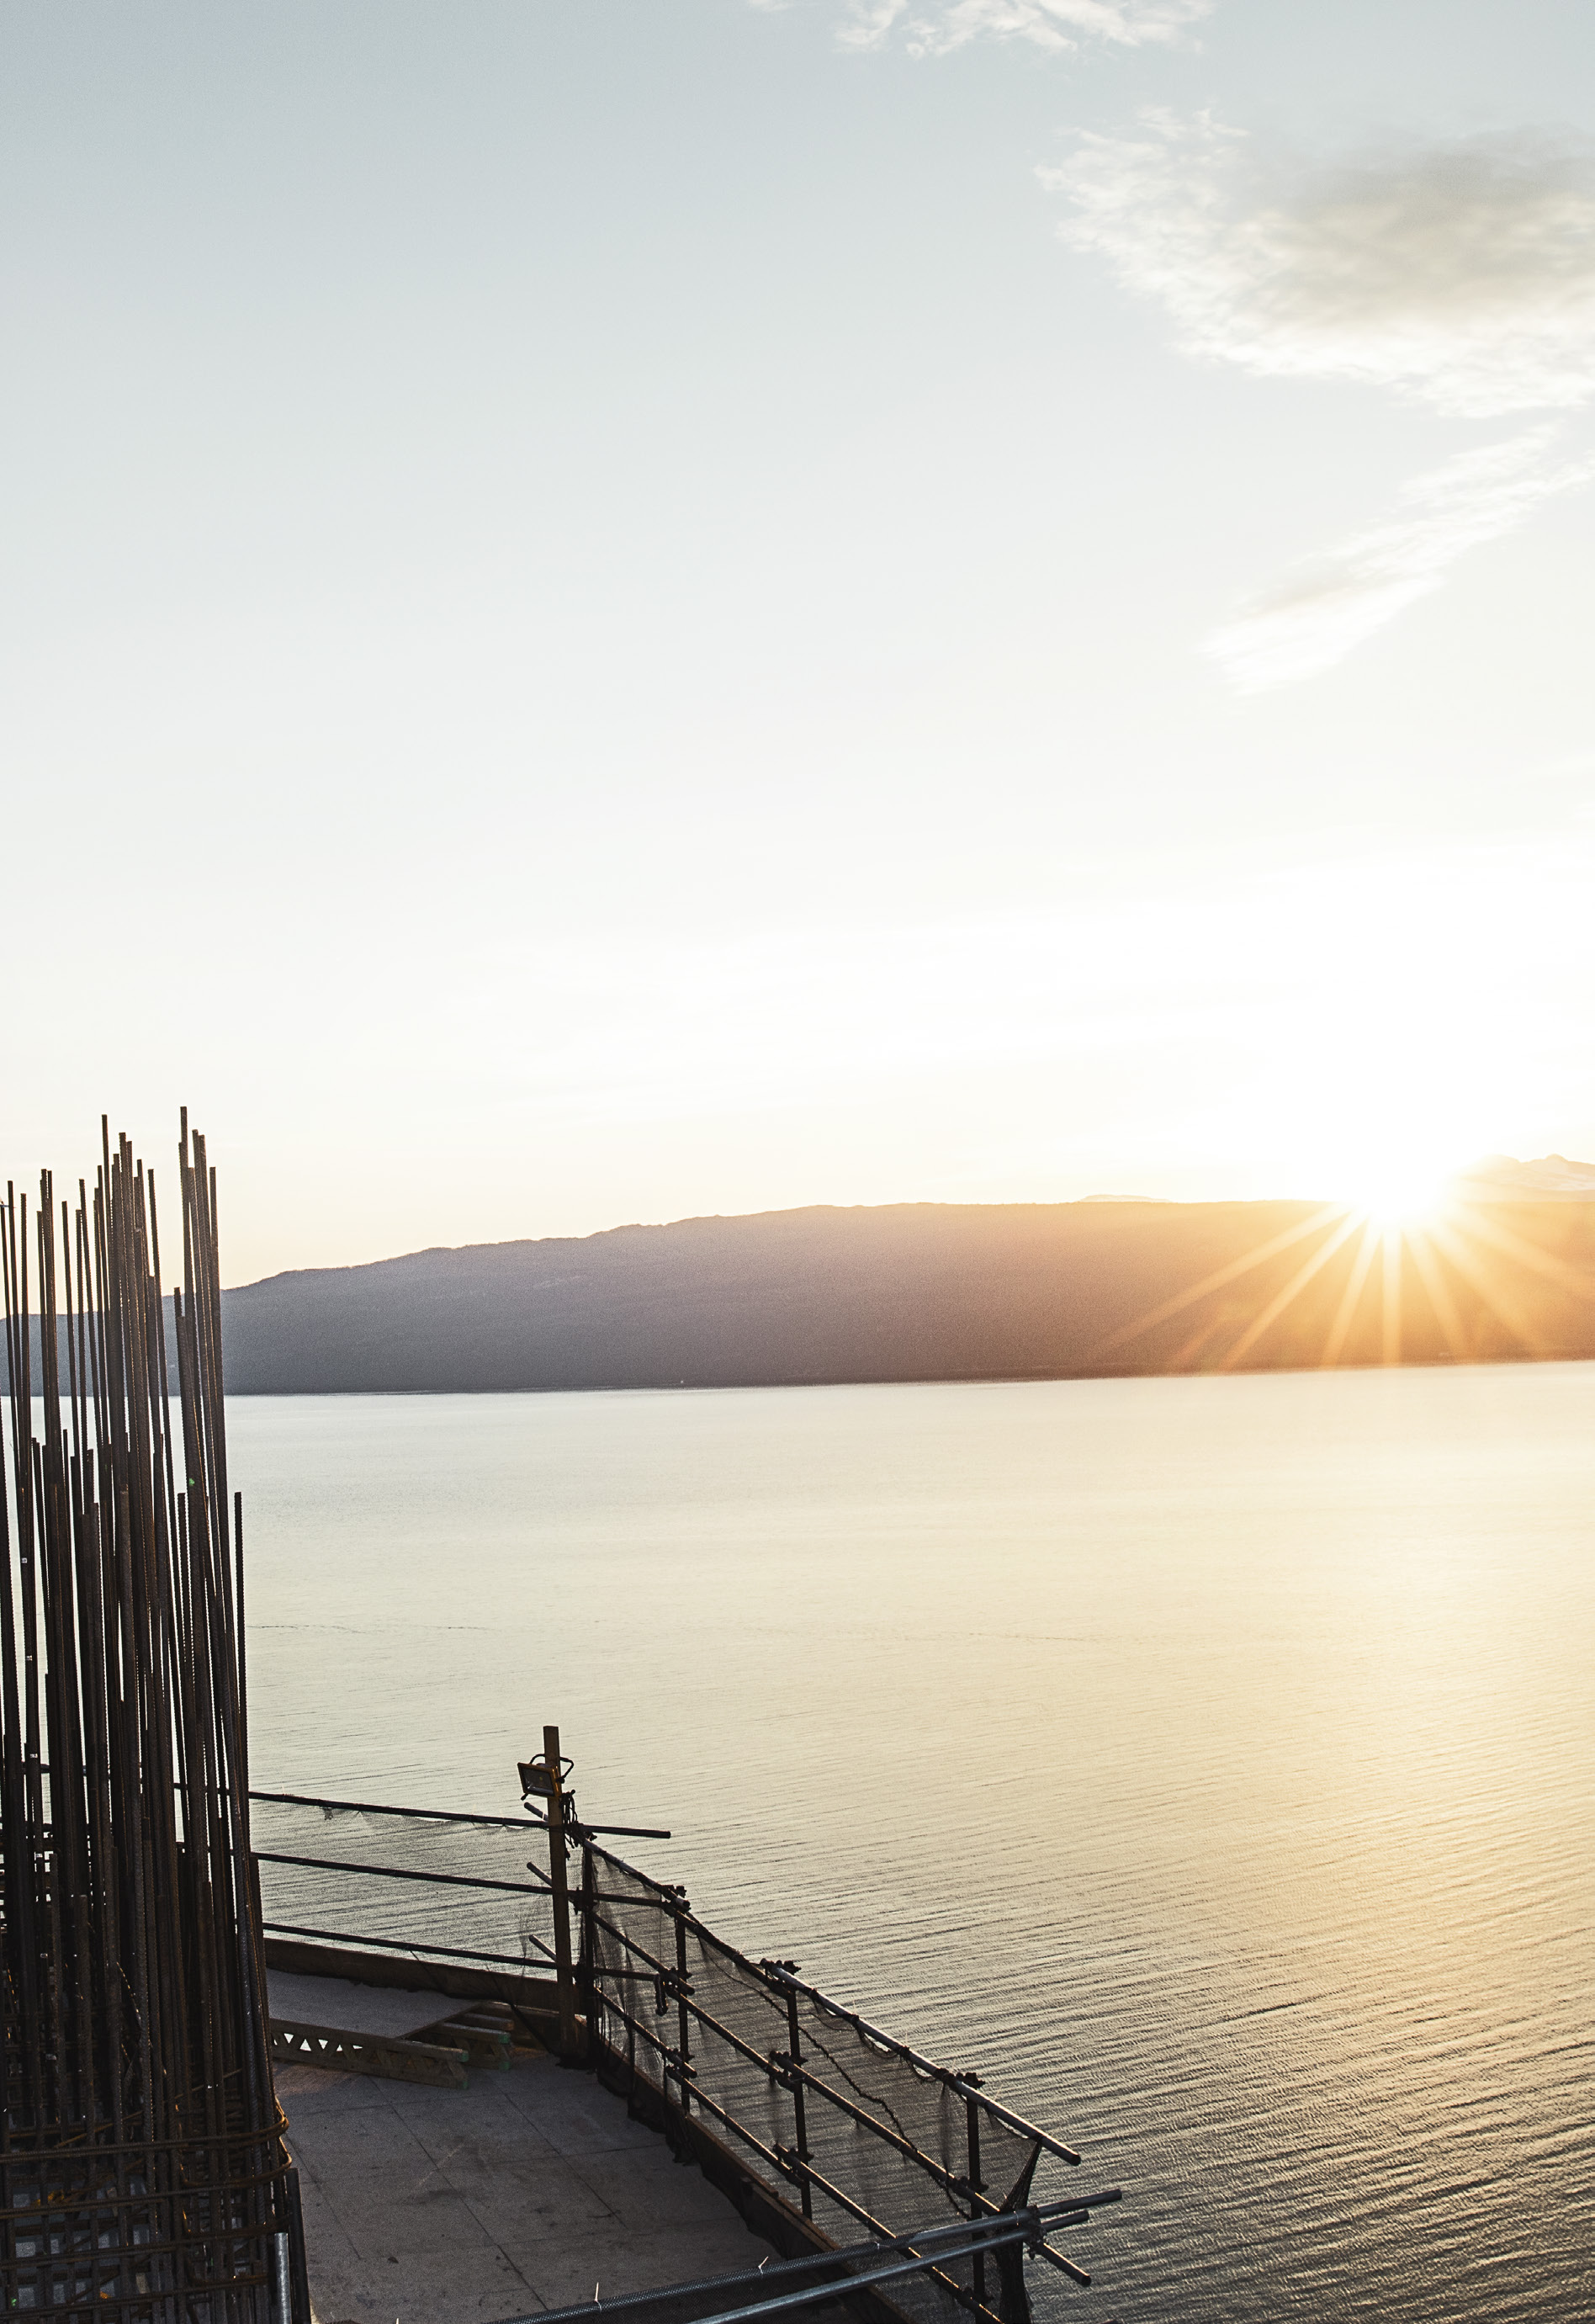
[(525, 2191)]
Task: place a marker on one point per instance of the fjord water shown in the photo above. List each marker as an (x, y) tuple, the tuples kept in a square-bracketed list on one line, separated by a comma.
[(1206, 1761)]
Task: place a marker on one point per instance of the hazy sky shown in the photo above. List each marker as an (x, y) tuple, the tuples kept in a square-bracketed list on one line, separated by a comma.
[(623, 608)]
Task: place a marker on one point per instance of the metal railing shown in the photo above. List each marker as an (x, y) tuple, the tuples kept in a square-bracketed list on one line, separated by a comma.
[(819, 2278), (615, 1992), (838, 2120)]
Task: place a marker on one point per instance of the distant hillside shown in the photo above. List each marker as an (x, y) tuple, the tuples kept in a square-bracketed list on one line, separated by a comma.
[(1551, 1179), (927, 1291)]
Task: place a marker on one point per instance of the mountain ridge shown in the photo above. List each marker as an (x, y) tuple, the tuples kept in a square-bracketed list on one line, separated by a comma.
[(918, 1291)]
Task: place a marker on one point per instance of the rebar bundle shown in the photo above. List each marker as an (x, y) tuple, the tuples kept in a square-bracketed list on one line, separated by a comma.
[(142, 2174)]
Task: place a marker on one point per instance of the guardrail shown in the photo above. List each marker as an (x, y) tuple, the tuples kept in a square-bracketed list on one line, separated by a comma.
[(844, 2127), (823, 2278)]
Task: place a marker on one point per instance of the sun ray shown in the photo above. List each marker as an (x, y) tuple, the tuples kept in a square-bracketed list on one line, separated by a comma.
[(1186, 1353), (1390, 1297), (1221, 1275), (1282, 1299), (1433, 1281), (1440, 1247), (1474, 1220), (1503, 1308), (1346, 1312)]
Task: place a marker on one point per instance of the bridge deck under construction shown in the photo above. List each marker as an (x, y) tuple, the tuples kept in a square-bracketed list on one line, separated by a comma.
[(525, 2190)]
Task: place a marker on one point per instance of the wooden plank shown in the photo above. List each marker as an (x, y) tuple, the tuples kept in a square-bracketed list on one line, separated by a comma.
[(498, 2017), (486, 2046)]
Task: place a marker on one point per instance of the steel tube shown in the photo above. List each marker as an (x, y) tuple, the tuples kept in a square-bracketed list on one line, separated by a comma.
[(415, 1945), (400, 1872)]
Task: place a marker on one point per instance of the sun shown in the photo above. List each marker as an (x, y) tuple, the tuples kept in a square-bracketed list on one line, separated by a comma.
[(1400, 1191)]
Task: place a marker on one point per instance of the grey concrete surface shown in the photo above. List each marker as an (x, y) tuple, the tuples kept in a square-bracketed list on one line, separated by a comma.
[(355, 2008), (528, 2190)]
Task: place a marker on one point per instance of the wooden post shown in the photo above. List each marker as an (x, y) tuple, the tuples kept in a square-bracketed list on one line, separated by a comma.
[(562, 1962)]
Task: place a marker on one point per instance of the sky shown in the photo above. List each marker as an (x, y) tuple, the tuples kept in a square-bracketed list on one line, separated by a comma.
[(623, 609)]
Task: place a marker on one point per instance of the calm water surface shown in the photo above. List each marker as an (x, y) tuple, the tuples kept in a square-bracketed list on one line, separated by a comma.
[(1208, 1761)]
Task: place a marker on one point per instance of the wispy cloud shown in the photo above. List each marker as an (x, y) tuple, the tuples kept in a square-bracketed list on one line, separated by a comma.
[(943, 25), (1459, 275), (1313, 618)]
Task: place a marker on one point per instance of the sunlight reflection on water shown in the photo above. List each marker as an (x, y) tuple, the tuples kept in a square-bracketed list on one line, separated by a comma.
[(1204, 1759)]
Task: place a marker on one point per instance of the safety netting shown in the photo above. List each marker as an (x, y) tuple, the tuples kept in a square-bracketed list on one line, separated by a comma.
[(864, 2136), (411, 1881), (860, 2134)]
